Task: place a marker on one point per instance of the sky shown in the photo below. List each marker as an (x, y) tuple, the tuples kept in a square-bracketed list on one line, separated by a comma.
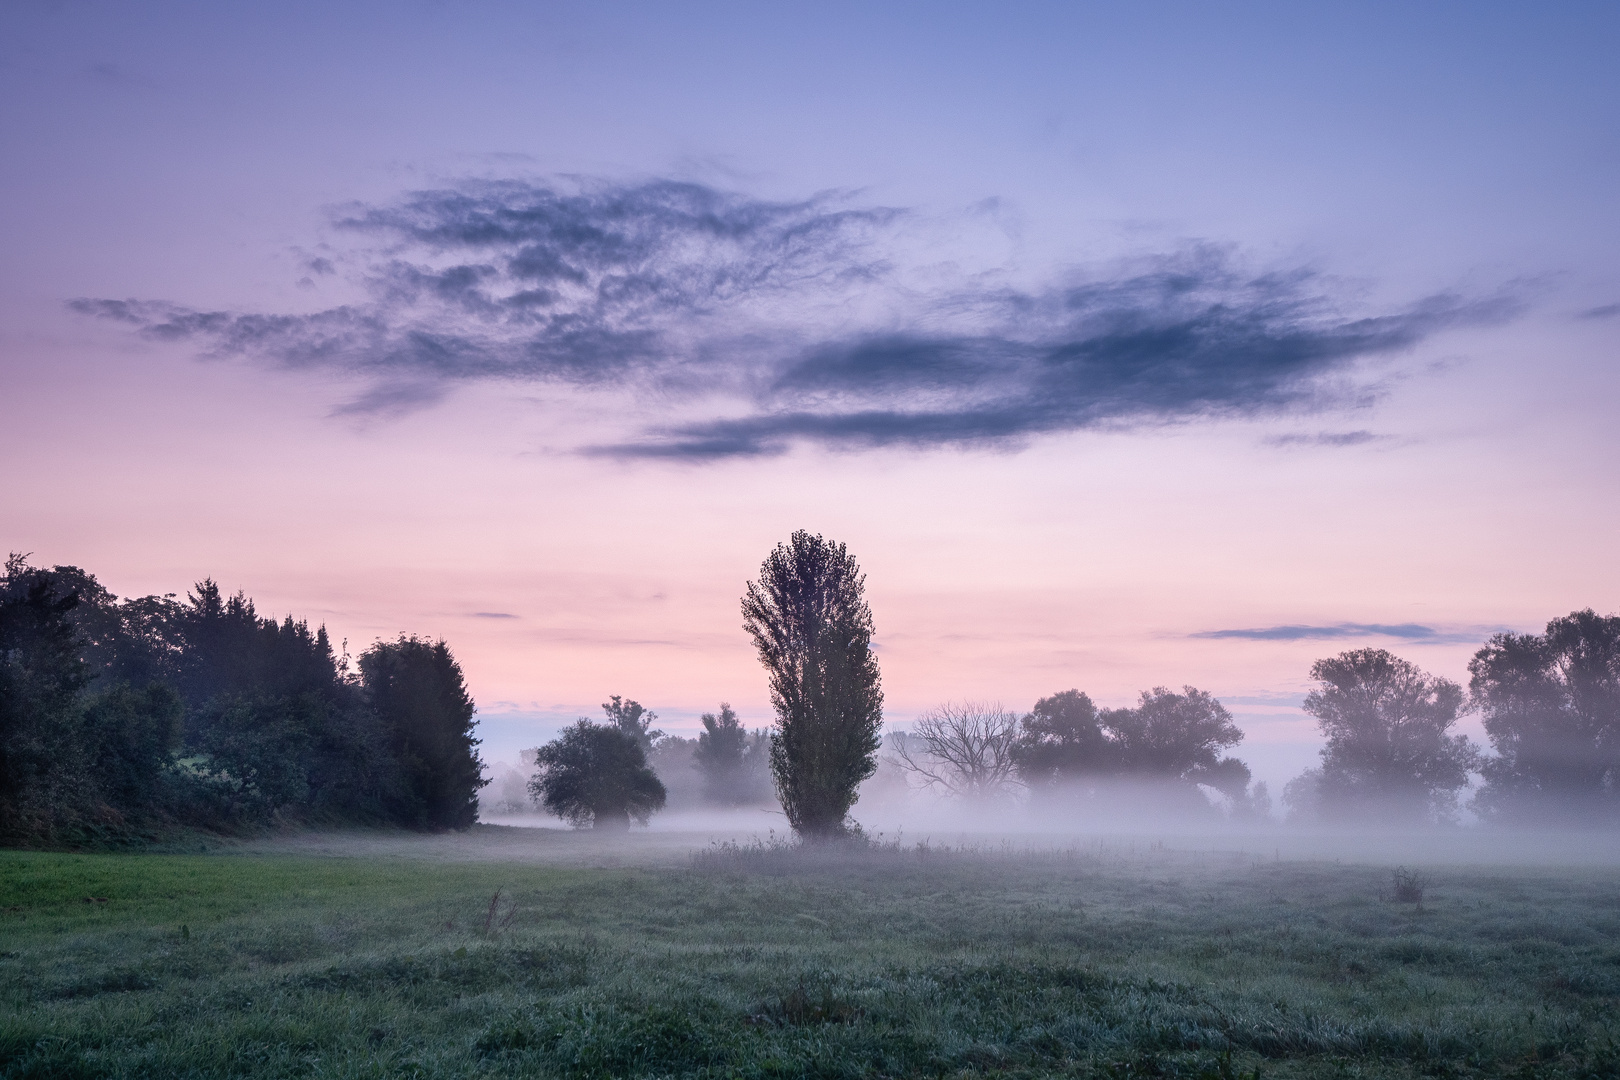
[(1124, 344)]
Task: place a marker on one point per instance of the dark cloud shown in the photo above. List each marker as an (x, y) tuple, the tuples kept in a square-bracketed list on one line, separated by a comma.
[(1188, 339), (493, 615), (789, 322), (518, 281), (1606, 311)]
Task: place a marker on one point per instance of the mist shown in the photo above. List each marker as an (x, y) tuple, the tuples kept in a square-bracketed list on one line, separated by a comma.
[(1118, 819)]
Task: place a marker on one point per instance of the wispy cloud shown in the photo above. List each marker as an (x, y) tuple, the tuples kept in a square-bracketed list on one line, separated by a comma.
[(1605, 311), (781, 322), (1323, 438), (394, 399), (1412, 632)]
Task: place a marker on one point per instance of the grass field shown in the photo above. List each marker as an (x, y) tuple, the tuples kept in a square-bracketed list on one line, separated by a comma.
[(888, 962)]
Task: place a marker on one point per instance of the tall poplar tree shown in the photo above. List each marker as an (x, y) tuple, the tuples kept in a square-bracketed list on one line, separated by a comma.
[(811, 623)]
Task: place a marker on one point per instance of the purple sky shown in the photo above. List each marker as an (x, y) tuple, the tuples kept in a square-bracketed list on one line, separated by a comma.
[(1125, 344)]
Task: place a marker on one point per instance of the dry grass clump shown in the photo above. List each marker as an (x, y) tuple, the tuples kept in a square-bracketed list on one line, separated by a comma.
[(1406, 886)]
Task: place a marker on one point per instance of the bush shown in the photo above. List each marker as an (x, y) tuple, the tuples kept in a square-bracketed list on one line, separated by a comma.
[(597, 776), (1406, 886)]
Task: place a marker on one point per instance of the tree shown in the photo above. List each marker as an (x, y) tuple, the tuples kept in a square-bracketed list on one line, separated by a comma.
[(596, 775), (254, 755), (1178, 737), (1252, 806), (735, 763), (1303, 797), (634, 720), (417, 690), (963, 750), (1551, 706), (809, 620), (1061, 740), (278, 688), (44, 764), (1388, 754), (147, 709), (1169, 742), (134, 733)]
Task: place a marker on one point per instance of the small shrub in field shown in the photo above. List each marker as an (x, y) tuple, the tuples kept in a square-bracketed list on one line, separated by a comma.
[(801, 1007), (1407, 886)]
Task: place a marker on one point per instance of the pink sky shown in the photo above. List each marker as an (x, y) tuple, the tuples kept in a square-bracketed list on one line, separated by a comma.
[(195, 160)]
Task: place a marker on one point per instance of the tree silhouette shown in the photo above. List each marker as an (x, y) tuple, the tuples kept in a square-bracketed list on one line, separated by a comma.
[(1062, 740), (809, 619), (964, 750), (596, 775), (1388, 755), (632, 718), (427, 717), (735, 763), (1170, 736), (43, 767), (1551, 706)]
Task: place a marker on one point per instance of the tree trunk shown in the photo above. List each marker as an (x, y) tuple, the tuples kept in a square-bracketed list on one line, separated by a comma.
[(612, 820)]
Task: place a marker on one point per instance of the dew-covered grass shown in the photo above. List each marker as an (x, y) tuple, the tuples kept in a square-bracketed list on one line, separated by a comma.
[(764, 961)]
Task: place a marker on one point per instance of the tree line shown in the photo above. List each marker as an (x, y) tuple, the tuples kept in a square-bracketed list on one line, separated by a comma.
[(122, 716), (1550, 705), (117, 715)]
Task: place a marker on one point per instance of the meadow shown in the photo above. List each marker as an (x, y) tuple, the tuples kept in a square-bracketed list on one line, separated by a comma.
[(664, 957)]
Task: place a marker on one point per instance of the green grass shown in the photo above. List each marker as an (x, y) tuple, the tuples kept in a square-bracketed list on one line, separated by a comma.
[(773, 963)]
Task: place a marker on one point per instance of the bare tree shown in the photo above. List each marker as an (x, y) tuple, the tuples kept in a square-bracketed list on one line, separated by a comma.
[(964, 750)]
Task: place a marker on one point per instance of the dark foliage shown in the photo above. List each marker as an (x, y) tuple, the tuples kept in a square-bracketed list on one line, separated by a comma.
[(809, 619), (276, 723), (416, 688), (43, 762), (1177, 737), (120, 715), (134, 733), (1169, 741), (1062, 739), (635, 720), (596, 775), (1388, 755), (1407, 886), (1551, 706), (228, 650), (735, 762)]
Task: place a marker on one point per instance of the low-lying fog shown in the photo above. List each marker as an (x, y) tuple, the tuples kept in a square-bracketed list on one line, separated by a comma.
[(1120, 818)]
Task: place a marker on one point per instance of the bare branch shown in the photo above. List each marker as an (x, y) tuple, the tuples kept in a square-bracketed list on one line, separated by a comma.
[(964, 750)]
